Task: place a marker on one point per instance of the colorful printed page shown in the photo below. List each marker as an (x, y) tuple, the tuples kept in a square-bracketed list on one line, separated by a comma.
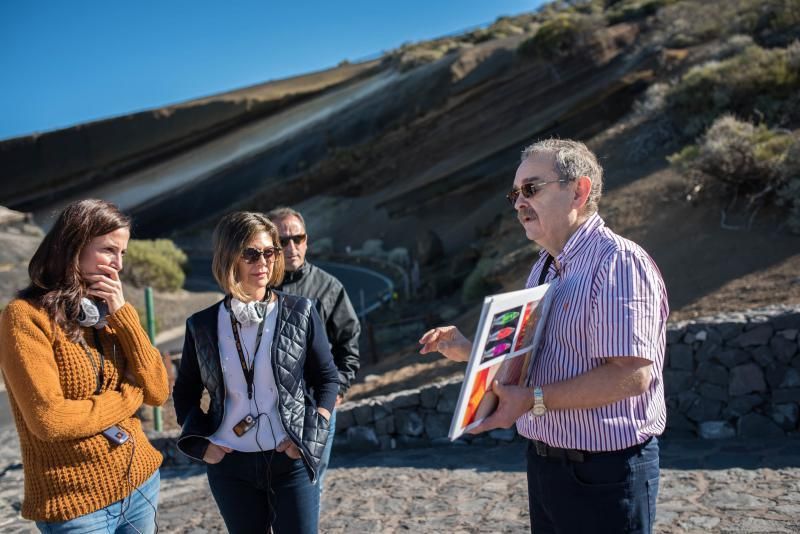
[(505, 341)]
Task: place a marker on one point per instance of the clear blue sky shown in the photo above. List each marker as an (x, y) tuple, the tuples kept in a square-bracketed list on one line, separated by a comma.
[(67, 62)]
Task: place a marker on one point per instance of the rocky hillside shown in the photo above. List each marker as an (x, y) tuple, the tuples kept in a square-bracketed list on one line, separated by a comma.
[(418, 148)]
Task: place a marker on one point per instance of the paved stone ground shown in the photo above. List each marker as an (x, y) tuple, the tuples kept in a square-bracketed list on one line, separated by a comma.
[(723, 486)]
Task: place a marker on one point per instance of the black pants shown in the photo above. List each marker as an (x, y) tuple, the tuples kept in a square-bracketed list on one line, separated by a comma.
[(611, 492), (256, 491)]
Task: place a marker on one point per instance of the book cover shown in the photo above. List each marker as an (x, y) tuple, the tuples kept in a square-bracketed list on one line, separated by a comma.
[(506, 339)]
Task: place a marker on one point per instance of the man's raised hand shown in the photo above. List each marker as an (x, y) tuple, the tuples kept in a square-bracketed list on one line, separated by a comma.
[(447, 340)]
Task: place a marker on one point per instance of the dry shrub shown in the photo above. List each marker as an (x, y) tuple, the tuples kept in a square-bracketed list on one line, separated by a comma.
[(754, 162), (692, 22), (756, 83), (563, 35)]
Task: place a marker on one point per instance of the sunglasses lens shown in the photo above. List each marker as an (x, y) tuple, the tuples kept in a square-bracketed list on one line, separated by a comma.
[(251, 255), (528, 190), (296, 239)]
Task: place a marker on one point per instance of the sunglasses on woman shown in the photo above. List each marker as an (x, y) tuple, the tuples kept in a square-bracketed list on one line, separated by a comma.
[(252, 255)]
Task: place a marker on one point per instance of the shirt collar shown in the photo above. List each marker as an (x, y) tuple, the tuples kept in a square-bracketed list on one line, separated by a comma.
[(291, 277), (580, 238)]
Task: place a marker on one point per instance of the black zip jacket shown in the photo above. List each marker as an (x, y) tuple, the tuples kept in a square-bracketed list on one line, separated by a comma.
[(304, 374), (337, 313)]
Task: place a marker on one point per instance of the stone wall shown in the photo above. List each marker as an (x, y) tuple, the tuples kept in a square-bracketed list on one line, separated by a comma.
[(735, 374)]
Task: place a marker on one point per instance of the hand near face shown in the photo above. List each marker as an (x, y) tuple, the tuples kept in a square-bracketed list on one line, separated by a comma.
[(99, 264), (447, 340), (107, 287)]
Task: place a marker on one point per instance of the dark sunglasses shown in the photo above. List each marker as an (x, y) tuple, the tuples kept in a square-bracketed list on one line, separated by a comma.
[(252, 255), (529, 190), (298, 239)]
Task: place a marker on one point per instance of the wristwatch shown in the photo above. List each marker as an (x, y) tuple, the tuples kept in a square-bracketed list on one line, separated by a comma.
[(538, 402)]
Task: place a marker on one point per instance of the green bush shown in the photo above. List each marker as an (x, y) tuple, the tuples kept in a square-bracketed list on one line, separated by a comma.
[(157, 263), (756, 163), (755, 82), (563, 35)]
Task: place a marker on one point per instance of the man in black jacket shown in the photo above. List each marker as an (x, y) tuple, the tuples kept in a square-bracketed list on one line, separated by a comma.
[(332, 303)]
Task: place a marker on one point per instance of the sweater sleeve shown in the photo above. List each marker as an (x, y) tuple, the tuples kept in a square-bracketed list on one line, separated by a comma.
[(29, 367), (143, 358)]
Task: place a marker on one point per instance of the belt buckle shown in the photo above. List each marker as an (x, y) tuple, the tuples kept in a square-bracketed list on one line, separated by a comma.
[(541, 448)]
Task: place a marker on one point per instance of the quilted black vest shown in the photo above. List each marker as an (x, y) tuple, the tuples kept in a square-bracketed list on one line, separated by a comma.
[(297, 407)]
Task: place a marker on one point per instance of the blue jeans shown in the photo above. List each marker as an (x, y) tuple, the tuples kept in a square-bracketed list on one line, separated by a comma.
[(610, 492), (256, 491), (326, 452), (134, 513)]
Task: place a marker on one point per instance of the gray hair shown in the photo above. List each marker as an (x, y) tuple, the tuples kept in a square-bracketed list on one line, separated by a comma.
[(282, 212), (572, 160)]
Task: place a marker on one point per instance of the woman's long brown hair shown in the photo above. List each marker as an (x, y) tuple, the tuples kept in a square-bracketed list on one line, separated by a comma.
[(56, 283)]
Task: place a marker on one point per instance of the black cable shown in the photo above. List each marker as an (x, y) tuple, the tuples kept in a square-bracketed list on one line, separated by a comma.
[(268, 460), (133, 488)]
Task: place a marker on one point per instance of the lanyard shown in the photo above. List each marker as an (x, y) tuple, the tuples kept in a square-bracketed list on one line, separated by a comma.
[(249, 372), (545, 269), (99, 375)]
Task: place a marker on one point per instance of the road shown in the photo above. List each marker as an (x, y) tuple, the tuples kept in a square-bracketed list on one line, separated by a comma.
[(706, 486), (376, 287)]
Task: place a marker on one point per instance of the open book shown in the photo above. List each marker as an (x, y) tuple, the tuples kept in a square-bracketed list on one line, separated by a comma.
[(505, 345)]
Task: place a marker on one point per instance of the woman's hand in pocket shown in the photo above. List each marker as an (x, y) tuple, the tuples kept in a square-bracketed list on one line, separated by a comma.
[(215, 453), (324, 413), (289, 448)]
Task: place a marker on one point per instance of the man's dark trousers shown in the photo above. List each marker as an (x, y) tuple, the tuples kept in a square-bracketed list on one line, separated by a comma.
[(609, 492)]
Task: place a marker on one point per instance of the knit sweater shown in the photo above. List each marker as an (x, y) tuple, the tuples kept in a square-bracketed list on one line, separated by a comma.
[(70, 468)]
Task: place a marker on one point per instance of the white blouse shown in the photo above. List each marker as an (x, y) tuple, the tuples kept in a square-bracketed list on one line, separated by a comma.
[(268, 431)]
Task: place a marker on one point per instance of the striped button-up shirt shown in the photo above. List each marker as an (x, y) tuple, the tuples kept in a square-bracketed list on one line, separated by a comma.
[(609, 301)]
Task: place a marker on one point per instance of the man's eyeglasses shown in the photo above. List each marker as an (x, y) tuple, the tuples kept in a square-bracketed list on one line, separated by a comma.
[(298, 239), (252, 255), (529, 190)]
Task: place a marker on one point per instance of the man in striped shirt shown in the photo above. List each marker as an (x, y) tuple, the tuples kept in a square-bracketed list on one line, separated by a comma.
[(596, 398)]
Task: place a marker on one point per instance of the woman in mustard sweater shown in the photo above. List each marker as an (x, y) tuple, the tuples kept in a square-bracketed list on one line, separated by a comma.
[(77, 366)]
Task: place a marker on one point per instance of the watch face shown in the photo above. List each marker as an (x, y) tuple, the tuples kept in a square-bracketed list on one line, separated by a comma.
[(539, 409)]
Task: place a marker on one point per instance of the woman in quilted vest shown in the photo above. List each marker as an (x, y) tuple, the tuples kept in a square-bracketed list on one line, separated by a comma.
[(77, 366), (264, 360)]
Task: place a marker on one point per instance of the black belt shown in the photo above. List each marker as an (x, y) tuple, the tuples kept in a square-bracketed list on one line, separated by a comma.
[(575, 455)]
